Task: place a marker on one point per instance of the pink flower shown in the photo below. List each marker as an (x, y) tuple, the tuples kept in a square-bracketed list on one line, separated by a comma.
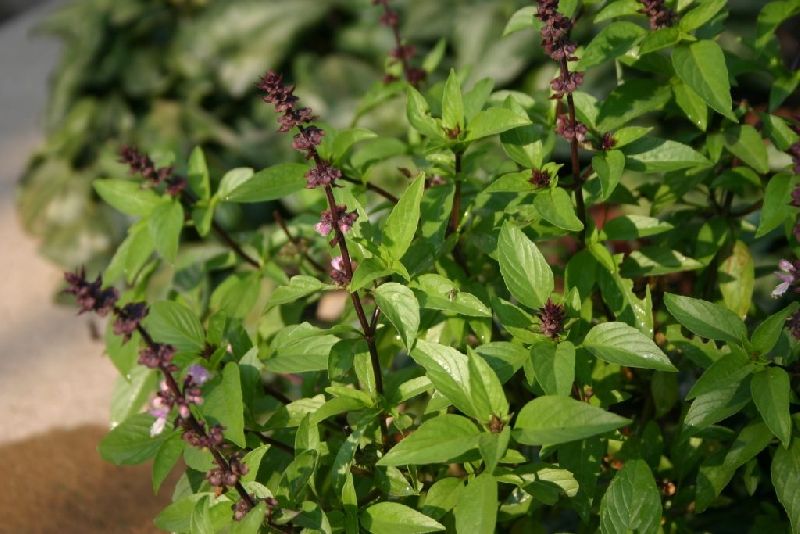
[(787, 275), (337, 263)]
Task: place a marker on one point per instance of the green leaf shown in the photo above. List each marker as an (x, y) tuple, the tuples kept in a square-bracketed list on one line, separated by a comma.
[(729, 370), (449, 371), (487, 391), (442, 497), (736, 275), (401, 224), (251, 523), (232, 180), (609, 168), (439, 440), (493, 121), (776, 207), (786, 479), (522, 19), (617, 8), (554, 366), (555, 206), (524, 269), (197, 174), (629, 101), (771, 394), (631, 227), (400, 306), (224, 404), (419, 116), (656, 261), (705, 11), (394, 518), (439, 293), (200, 521), (651, 154), (129, 443), (745, 143), (272, 183), (301, 349), (551, 420), (452, 103), (128, 196), (613, 41), (781, 135), (175, 324), (706, 319), (622, 344), (718, 404), (296, 477), (167, 456), (165, 224), (691, 104), (767, 333), (660, 39), (717, 472), (299, 286), (701, 66), (632, 502), (493, 447), (476, 511), (626, 306)]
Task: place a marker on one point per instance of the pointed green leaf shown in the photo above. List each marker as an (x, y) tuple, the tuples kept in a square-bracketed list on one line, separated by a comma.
[(224, 404), (476, 511), (452, 103), (771, 394), (786, 479), (401, 224), (706, 319), (551, 420), (524, 269), (175, 324), (493, 121), (271, 183), (394, 518), (438, 440), (165, 224), (701, 66), (632, 502), (400, 306), (622, 344)]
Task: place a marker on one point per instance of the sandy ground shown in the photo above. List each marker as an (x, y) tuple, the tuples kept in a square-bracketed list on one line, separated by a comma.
[(55, 385)]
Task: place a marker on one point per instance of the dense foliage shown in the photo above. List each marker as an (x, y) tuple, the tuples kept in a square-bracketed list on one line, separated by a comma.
[(568, 311)]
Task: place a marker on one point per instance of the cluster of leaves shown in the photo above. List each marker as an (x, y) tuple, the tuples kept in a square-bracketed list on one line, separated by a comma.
[(168, 75), (566, 332)]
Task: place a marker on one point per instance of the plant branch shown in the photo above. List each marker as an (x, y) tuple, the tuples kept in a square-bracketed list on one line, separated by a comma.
[(372, 187), (580, 204), (455, 214), (296, 242)]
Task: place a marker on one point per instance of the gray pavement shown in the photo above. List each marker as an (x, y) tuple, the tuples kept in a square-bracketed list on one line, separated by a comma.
[(52, 375)]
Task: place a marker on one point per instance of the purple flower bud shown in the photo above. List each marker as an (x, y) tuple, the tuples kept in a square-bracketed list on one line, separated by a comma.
[(565, 129), (90, 296), (660, 16), (338, 272), (155, 356), (308, 140), (540, 178), (566, 83), (323, 174), (240, 509), (128, 319), (551, 319)]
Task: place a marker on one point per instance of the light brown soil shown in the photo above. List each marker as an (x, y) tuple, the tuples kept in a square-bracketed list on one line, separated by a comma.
[(57, 483)]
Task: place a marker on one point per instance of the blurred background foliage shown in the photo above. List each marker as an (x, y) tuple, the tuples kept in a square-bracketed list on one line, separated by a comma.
[(168, 75)]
